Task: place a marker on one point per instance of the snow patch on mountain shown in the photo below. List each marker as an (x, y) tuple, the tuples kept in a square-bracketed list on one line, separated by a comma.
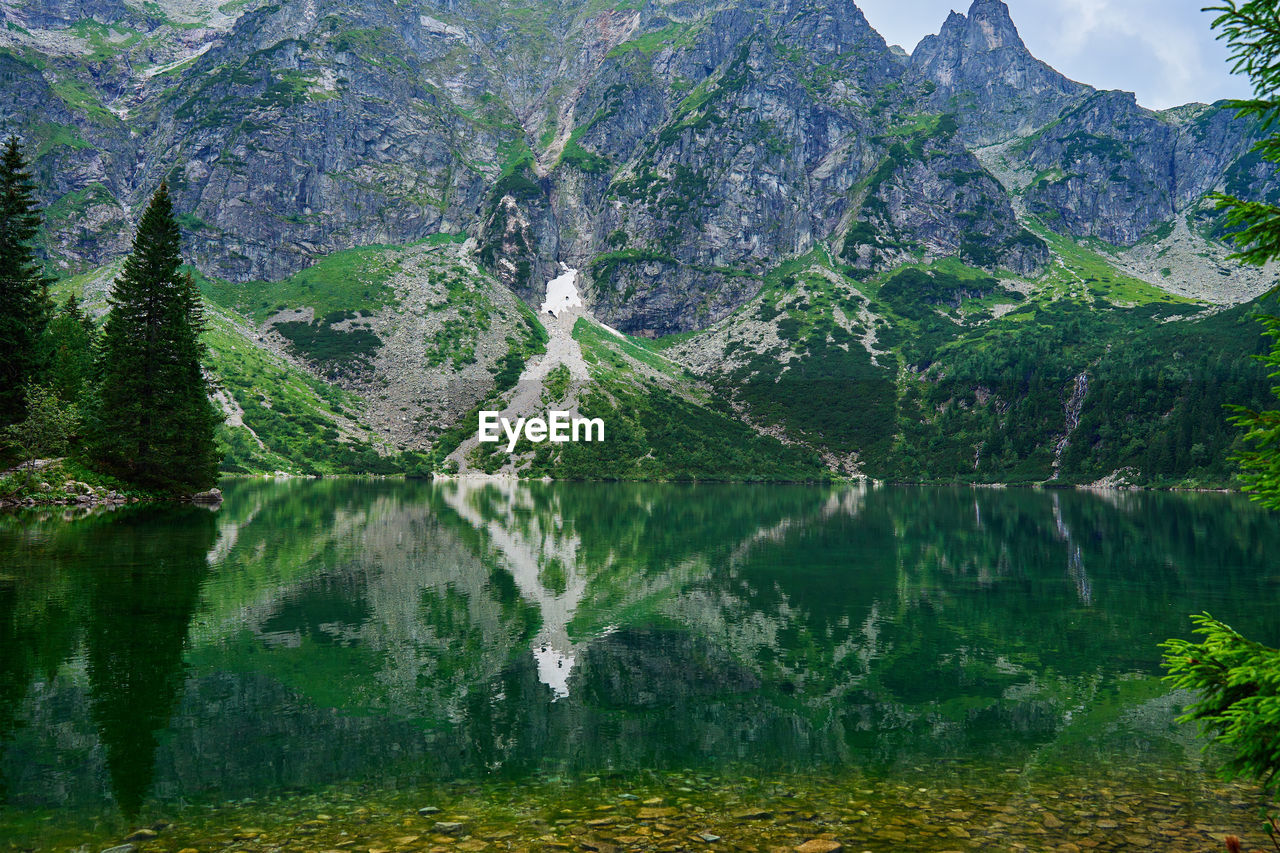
[(562, 293)]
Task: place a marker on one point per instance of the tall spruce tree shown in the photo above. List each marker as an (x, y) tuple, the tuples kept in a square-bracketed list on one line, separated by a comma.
[(151, 421), (24, 289)]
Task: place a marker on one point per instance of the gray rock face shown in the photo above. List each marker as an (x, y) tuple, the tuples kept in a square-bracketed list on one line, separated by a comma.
[(931, 193), (304, 136), (77, 164), (1113, 170), (61, 13), (737, 142), (985, 75), (674, 152)]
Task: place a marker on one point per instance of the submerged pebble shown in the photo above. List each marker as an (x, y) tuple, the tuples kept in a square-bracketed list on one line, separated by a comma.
[(820, 845), (1173, 812)]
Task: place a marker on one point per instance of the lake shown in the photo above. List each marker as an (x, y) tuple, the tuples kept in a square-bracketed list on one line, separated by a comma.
[(619, 667)]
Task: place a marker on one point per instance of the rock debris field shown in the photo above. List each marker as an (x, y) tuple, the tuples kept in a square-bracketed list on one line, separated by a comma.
[(1156, 810)]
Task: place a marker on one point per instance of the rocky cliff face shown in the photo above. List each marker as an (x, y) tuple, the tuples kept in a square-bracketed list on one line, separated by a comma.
[(688, 134), (930, 194), (1110, 169), (315, 130), (674, 152), (78, 161), (984, 74)]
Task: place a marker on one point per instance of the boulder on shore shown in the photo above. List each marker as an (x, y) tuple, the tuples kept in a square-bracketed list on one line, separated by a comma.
[(213, 497)]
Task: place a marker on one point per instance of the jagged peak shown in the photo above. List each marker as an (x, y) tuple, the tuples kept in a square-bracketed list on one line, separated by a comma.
[(987, 28), (987, 8), (983, 55), (988, 23), (830, 28)]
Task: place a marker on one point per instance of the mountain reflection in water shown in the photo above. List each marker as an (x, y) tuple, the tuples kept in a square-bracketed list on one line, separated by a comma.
[(314, 632)]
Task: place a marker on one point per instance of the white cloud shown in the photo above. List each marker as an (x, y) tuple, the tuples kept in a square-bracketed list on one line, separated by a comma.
[(1162, 49)]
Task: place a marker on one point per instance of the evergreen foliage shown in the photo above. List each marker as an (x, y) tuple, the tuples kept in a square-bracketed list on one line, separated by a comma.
[(69, 346), (1252, 29), (833, 394), (1261, 464), (24, 300), (152, 422), (1155, 393), (336, 351), (654, 434), (1238, 680), (984, 399), (1239, 704)]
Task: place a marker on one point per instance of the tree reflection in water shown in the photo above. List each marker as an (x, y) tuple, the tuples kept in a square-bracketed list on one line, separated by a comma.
[(373, 631)]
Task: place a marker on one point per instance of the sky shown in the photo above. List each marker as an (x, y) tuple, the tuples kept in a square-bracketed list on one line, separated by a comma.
[(1164, 50)]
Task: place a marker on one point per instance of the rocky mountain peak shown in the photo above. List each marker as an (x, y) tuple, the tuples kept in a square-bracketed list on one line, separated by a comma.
[(979, 60), (965, 42), (828, 30), (987, 26), (993, 19)]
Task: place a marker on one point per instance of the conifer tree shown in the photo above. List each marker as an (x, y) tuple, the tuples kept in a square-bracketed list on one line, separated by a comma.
[(1253, 31), (152, 422), (70, 341), (24, 299), (1238, 680)]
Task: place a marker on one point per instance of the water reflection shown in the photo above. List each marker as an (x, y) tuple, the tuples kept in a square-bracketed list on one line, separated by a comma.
[(541, 555), (139, 605), (330, 631), (111, 598)]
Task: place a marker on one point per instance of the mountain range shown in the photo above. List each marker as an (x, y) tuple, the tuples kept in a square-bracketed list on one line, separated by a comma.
[(800, 249)]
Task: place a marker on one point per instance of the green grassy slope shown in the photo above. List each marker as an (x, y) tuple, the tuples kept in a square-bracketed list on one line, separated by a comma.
[(943, 373), (660, 424), (279, 417), (931, 372)]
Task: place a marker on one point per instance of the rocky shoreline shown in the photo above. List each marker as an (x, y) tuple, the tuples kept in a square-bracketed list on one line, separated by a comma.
[(1107, 485), (110, 499), (51, 485), (1176, 811), (83, 495)]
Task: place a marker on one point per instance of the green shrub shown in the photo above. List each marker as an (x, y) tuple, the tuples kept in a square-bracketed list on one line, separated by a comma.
[(335, 349)]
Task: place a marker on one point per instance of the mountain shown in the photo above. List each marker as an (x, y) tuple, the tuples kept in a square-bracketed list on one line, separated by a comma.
[(984, 74), (377, 194)]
